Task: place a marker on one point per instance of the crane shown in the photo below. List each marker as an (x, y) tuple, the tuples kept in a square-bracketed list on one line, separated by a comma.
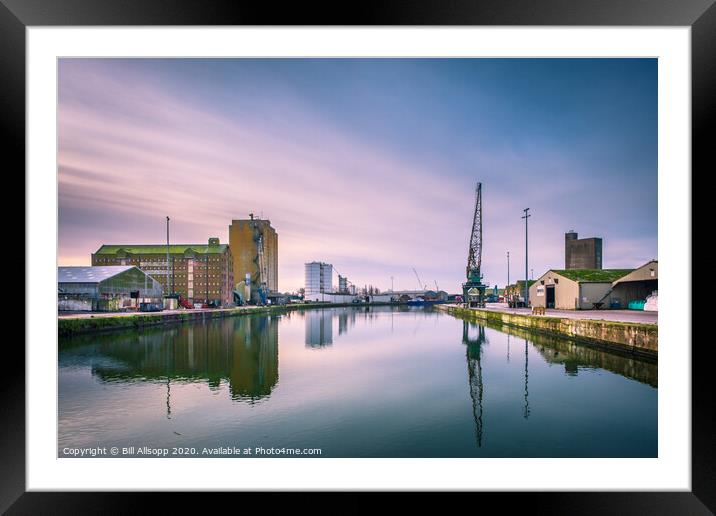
[(420, 283), (261, 277), (473, 289), (263, 271)]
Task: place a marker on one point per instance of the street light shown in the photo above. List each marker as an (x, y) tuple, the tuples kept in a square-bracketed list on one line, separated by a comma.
[(168, 292), (527, 288), (508, 267)]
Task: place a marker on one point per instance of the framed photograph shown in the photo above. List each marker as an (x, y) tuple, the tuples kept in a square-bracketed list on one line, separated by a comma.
[(418, 253)]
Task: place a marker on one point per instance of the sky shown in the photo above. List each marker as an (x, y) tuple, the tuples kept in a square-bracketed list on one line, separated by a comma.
[(368, 164)]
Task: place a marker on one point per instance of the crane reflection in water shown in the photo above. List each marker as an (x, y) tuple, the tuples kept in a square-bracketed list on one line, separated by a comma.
[(473, 336), (474, 370)]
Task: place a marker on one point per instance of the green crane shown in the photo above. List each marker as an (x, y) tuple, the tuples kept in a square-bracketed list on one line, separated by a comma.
[(473, 291)]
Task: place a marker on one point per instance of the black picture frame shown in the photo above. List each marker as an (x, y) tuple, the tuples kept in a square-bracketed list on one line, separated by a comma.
[(700, 15)]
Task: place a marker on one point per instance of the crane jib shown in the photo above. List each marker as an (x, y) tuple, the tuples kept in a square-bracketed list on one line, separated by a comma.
[(473, 289)]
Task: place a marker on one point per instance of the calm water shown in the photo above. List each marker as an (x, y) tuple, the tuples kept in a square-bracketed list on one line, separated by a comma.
[(355, 382)]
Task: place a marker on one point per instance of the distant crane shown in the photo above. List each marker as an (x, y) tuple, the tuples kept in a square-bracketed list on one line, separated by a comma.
[(420, 283), (473, 290), (437, 289)]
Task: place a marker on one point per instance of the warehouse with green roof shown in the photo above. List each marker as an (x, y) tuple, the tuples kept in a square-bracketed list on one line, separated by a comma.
[(576, 289), (202, 274)]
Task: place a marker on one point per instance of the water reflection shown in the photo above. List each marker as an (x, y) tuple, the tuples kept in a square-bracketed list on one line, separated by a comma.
[(242, 351), (527, 399), (319, 323), (474, 344), (390, 383), (576, 356), (346, 319), (319, 328), (169, 398)]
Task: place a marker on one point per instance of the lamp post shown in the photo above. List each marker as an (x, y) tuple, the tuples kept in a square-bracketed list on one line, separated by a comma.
[(508, 268), (527, 283), (168, 254)]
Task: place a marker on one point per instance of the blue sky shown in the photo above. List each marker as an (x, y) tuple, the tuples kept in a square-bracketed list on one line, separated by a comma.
[(369, 164)]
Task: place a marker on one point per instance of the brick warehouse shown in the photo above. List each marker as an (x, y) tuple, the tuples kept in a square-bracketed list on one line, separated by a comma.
[(202, 273)]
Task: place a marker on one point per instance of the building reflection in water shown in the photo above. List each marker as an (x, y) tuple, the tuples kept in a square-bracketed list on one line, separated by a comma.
[(254, 370), (346, 319), (474, 344), (319, 328), (343, 322), (242, 351)]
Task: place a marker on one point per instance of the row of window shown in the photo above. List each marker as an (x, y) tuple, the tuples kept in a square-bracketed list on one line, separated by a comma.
[(198, 284), (189, 277), (199, 293), (153, 261)]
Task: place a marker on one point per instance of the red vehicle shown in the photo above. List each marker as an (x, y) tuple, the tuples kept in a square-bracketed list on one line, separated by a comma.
[(183, 302)]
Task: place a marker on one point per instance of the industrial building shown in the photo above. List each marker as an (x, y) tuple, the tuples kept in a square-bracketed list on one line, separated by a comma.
[(576, 289), (201, 273), (319, 281), (582, 253), (105, 288), (638, 287), (254, 248), (343, 285)]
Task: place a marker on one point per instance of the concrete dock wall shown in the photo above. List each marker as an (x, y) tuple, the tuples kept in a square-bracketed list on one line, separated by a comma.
[(96, 323), (632, 337)]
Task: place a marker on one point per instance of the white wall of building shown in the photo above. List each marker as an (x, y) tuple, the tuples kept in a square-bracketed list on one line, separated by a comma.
[(327, 297)]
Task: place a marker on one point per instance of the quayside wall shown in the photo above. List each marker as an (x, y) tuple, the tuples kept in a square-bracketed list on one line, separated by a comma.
[(641, 339), (70, 325)]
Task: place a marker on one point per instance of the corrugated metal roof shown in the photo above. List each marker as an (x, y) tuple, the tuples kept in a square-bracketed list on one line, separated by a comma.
[(89, 274)]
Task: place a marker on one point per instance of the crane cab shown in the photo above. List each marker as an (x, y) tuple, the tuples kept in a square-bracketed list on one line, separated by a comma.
[(474, 296)]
